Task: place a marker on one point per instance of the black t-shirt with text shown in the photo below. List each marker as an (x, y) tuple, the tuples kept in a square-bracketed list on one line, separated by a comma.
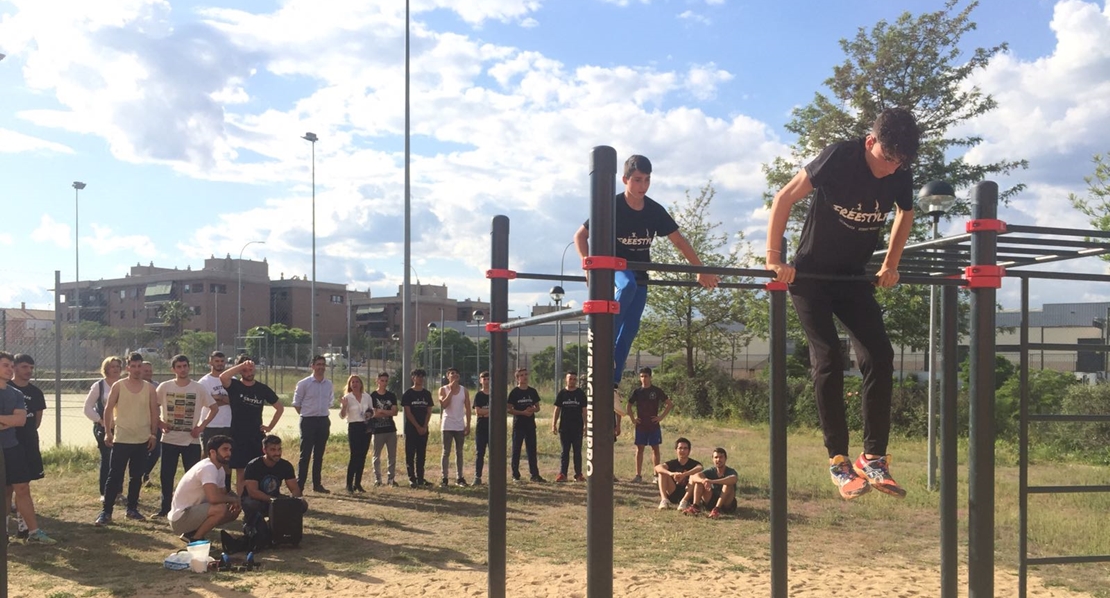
[(270, 479), (636, 229), (419, 403), (570, 404), (521, 399), (28, 434), (246, 404), (387, 401), (848, 210)]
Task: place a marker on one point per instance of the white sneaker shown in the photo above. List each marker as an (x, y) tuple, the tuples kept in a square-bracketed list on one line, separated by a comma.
[(665, 504), (683, 505)]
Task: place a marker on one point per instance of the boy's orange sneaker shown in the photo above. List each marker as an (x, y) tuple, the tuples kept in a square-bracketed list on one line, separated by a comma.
[(851, 485), (877, 474), (562, 477)]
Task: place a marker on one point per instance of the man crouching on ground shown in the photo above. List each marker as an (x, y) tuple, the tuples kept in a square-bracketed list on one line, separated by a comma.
[(201, 501)]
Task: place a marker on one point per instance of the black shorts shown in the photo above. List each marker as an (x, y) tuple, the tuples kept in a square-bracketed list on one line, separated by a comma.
[(15, 463), (728, 508), (678, 494)]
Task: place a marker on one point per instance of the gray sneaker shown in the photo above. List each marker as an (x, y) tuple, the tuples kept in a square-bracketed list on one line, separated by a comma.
[(39, 537), (637, 480)]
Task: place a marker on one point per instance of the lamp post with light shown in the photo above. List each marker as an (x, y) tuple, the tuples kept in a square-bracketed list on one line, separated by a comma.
[(935, 199), (77, 187), (427, 351), (557, 295), (479, 317), (312, 138)]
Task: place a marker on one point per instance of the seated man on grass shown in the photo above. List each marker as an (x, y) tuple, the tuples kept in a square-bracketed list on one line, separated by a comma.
[(674, 475), (201, 501), (714, 488)]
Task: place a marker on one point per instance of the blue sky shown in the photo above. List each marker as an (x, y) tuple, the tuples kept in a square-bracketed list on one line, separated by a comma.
[(184, 119)]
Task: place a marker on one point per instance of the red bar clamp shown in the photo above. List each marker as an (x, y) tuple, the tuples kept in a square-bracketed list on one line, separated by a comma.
[(494, 327), (601, 307), (501, 273), (776, 286), (986, 225), (604, 262), (984, 277)]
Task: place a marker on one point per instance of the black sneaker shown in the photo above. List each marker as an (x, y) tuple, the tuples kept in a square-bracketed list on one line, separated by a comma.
[(392, 483), (461, 482), (538, 479), (188, 537), (478, 481), (516, 477), (320, 489), (443, 483), (103, 519), (160, 515), (425, 483), (414, 484), (135, 515)]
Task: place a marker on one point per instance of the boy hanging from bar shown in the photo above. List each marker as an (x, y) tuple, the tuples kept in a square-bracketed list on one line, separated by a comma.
[(855, 184), (638, 220)]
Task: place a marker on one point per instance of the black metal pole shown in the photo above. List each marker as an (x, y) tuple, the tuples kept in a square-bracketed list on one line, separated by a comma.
[(980, 547), (599, 382), (57, 358), (498, 409), (1023, 445), (949, 475), (777, 292)]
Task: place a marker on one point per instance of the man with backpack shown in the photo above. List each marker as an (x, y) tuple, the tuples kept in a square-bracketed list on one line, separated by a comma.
[(263, 479)]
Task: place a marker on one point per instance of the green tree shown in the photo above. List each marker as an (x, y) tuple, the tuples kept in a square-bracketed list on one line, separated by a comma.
[(175, 315), (196, 346), (1096, 206), (458, 352), (690, 319), (280, 342), (542, 366)]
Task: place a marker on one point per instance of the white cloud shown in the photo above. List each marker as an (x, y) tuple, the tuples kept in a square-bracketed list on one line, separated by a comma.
[(693, 17), (104, 241), (52, 231), (13, 143), (6, 239)]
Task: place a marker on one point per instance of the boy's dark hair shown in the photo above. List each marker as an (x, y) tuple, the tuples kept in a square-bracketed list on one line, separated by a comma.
[(383, 374), (484, 374), (23, 358), (418, 372), (572, 373), (217, 354), (178, 359), (722, 451), (215, 442), (897, 130), (683, 439), (316, 358), (271, 439), (636, 163), (242, 358), (6, 355), (519, 371), (449, 370), (132, 358), (645, 370)]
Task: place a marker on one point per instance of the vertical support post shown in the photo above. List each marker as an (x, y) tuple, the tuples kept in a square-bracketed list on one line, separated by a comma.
[(1023, 445), (600, 420), (498, 407), (980, 549), (949, 478), (57, 358), (777, 292)]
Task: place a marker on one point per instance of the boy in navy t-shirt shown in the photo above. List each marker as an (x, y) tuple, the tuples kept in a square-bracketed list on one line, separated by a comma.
[(524, 404), (417, 403), (569, 422), (481, 430)]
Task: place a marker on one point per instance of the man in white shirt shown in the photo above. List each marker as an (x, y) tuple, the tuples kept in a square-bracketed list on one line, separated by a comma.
[(312, 399), (200, 501), (182, 402)]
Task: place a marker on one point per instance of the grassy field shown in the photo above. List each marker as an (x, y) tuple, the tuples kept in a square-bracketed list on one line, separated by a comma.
[(350, 537)]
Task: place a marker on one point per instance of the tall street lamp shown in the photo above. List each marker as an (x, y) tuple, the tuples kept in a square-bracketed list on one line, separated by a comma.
[(935, 199), (239, 298), (442, 329), (311, 137), (557, 295), (77, 187), (427, 351), (479, 316)]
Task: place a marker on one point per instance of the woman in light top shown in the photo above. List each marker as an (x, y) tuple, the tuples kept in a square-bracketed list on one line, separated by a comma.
[(112, 370), (354, 407)]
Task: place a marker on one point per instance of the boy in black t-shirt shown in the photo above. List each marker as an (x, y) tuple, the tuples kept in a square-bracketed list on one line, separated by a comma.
[(246, 397), (569, 422), (855, 184), (524, 404), (264, 477), (638, 219), (384, 430), (481, 431), (417, 402), (674, 475)]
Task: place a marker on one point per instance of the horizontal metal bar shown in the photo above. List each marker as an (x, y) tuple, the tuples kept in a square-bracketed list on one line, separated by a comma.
[(1058, 257), (1068, 560), (1051, 347), (1050, 230), (555, 316), (1060, 417), (693, 283), (941, 242), (1058, 275), (1005, 241), (691, 269), (557, 277), (1066, 489)]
